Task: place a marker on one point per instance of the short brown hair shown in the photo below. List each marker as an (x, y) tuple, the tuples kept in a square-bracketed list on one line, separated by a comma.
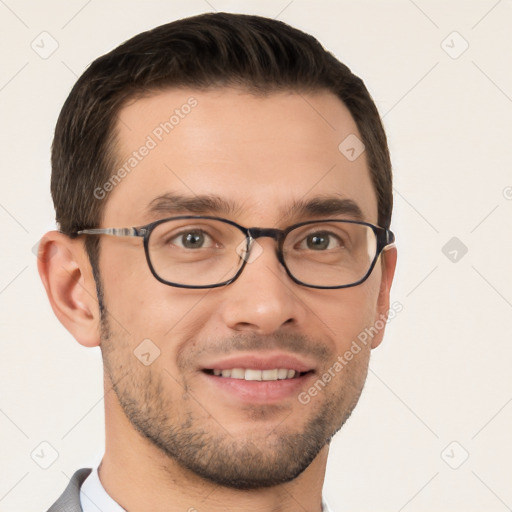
[(210, 50)]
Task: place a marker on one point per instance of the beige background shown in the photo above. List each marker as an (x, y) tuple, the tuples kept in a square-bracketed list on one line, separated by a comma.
[(443, 373)]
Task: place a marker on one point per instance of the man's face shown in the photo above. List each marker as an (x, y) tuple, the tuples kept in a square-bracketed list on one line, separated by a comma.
[(261, 154)]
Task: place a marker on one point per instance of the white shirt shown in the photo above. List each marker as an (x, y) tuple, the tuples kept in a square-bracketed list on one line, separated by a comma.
[(94, 497)]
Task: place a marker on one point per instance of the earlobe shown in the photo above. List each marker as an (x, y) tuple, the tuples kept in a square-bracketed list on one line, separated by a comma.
[(67, 277), (388, 265)]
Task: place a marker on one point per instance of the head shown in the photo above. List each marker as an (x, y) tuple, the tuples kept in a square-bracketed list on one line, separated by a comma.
[(238, 117)]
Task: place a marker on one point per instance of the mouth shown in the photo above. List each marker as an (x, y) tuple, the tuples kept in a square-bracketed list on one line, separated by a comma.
[(259, 378), (254, 374)]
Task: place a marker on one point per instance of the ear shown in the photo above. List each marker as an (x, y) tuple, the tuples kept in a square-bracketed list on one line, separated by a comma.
[(388, 265), (67, 276)]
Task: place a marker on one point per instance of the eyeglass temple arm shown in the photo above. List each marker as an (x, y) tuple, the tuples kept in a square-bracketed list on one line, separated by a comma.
[(389, 240), (113, 231)]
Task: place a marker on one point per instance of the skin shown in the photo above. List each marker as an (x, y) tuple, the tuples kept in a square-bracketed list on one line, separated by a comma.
[(261, 153)]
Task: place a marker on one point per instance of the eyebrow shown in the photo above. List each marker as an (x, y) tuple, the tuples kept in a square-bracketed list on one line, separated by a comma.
[(320, 206), (178, 204), (325, 206)]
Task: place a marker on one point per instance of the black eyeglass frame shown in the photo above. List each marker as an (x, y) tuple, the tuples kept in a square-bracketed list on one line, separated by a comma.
[(385, 238)]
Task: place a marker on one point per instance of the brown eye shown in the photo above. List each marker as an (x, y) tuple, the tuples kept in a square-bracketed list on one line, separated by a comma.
[(321, 241), (192, 239), (317, 242)]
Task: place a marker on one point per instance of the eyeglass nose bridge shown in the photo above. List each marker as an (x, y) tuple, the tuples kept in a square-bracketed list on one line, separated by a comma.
[(277, 234)]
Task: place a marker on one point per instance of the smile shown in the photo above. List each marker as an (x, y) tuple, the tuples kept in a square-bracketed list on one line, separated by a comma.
[(256, 374)]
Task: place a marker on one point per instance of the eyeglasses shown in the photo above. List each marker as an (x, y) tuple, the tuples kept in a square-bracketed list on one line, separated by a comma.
[(207, 252)]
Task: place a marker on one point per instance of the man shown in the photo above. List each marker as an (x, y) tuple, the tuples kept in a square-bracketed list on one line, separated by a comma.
[(222, 186)]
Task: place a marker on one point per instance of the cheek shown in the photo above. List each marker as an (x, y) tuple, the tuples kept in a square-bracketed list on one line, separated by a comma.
[(349, 312), (140, 307), (135, 299)]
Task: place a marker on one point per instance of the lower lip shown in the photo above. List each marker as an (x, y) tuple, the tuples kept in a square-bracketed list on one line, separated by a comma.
[(263, 392)]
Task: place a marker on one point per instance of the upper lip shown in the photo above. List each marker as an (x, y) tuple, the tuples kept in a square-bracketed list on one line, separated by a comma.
[(260, 361)]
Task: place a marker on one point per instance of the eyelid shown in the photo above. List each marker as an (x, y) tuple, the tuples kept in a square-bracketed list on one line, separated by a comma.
[(332, 229)]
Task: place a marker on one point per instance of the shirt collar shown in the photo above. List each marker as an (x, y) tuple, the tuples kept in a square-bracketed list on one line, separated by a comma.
[(94, 497)]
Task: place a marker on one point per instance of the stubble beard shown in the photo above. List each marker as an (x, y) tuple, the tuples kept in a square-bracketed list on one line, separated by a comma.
[(203, 445)]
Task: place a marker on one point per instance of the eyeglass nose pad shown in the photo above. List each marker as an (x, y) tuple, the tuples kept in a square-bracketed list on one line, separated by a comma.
[(249, 250), (244, 249)]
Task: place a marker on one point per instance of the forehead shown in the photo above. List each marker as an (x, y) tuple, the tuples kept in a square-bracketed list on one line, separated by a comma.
[(259, 154)]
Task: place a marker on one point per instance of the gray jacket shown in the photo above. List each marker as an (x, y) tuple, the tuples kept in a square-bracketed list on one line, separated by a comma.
[(69, 500)]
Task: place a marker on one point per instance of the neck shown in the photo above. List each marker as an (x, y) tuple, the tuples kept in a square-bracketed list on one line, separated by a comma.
[(140, 477)]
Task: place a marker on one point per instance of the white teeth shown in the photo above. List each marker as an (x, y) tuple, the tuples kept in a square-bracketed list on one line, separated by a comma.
[(252, 374), (258, 375), (269, 374), (237, 373), (282, 373)]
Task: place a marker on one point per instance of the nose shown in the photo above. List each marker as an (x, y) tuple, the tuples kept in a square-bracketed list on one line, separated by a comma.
[(263, 299)]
